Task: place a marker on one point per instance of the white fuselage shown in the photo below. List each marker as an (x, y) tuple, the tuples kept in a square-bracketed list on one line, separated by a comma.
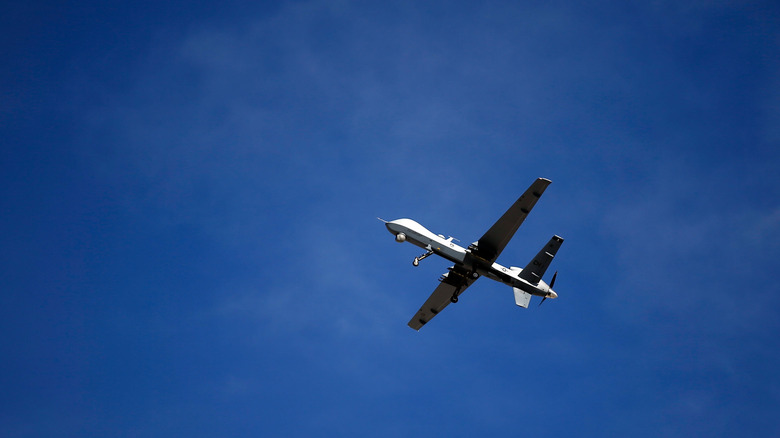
[(411, 231)]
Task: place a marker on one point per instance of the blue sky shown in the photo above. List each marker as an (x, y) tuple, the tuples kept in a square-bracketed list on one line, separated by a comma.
[(189, 197)]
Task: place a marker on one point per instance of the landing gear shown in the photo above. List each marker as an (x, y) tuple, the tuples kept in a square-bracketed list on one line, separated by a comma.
[(417, 259), (454, 297)]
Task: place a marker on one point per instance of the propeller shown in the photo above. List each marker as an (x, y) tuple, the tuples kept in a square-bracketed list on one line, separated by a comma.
[(552, 282)]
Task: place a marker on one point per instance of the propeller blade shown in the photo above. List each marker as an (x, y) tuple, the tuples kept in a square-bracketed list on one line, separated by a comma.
[(552, 282)]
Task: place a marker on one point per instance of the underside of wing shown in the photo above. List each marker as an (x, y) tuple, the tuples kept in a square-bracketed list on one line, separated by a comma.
[(453, 283), (496, 238)]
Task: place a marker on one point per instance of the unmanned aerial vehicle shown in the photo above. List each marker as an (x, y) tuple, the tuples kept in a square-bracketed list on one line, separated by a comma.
[(479, 259)]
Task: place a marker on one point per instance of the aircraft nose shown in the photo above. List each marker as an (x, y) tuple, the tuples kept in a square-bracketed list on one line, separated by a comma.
[(394, 228), (553, 294)]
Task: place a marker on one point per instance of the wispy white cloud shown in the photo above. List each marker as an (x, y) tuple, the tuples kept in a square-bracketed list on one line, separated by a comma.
[(328, 283), (687, 249)]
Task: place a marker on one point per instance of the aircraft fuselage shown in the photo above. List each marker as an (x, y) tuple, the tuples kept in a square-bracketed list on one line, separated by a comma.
[(408, 230)]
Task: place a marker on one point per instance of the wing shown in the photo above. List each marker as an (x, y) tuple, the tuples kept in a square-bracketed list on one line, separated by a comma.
[(537, 267), (495, 239), (454, 281)]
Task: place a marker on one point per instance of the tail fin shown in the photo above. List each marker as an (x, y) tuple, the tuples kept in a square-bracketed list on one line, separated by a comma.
[(538, 266), (522, 298)]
